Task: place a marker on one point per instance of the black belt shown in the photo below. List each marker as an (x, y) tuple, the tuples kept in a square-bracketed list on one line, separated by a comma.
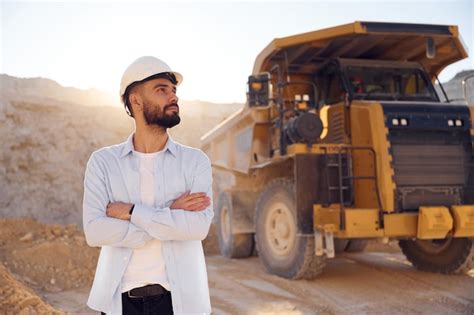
[(147, 291)]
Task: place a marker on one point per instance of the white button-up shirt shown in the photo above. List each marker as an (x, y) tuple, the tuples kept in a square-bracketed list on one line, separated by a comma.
[(112, 175)]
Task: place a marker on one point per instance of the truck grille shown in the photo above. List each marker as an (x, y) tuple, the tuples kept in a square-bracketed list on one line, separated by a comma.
[(431, 167)]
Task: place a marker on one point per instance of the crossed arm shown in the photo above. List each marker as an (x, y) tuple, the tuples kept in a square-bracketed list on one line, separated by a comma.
[(109, 224), (187, 201)]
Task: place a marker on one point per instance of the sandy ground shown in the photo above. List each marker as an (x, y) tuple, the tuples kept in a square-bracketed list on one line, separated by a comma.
[(49, 267), (365, 283)]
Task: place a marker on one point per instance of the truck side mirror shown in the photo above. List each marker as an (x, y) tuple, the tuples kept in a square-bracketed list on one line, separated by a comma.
[(258, 93)]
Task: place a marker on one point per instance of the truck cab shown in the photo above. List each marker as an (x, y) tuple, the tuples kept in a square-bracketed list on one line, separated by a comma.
[(374, 80)]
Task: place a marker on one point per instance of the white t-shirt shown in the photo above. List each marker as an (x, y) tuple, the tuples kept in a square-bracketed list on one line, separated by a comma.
[(146, 265)]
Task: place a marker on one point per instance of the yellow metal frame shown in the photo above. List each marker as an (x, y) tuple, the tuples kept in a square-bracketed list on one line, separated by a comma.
[(428, 223), (301, 148), (368, 130), (463, 220), (434, 223)]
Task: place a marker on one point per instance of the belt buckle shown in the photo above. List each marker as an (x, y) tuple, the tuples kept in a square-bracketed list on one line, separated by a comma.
[(133, 296)]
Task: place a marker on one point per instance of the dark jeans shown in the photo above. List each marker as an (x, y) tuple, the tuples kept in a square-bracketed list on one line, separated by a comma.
[(153, 305)]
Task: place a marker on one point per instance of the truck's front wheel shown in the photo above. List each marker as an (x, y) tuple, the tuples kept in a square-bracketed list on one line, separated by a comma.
[(280, 249), (231, 245), (450, 255)]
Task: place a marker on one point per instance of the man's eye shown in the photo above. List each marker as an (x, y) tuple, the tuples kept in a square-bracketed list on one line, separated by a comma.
[(166, 89)]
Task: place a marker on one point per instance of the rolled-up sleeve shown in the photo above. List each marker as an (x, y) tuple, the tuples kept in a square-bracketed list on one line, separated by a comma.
[(175, 224), (99, 229)]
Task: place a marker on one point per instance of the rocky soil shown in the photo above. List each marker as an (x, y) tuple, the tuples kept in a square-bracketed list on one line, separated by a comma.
[(38, 258)]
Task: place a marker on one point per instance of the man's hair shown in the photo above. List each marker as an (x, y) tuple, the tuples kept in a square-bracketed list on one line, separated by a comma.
[(125, 97)]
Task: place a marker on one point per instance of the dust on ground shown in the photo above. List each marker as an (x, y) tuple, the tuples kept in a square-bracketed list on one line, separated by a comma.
[(49, 268)]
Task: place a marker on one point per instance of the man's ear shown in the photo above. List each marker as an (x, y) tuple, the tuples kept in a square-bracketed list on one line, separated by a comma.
[(135, 101)]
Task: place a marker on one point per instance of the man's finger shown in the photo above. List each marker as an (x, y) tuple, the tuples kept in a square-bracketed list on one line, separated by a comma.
[(189, 200), (194, 195), (199, 206), (195, 201), (198, 199)]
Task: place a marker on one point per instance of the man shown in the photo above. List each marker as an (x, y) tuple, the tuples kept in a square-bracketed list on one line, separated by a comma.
[(147, 205)]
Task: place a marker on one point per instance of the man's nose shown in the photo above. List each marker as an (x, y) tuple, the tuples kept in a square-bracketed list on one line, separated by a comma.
[(174, 99)]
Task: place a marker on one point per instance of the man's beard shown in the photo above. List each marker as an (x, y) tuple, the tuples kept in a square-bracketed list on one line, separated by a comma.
[(156, 116)]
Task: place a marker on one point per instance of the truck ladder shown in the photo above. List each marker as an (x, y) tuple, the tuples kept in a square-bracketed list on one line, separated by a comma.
[(345, 174)]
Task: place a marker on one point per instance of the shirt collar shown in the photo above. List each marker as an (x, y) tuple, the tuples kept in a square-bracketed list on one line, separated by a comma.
[(170, 146)]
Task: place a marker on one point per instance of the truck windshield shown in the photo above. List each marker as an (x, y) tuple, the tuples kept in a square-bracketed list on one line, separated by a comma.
[(389, 83)]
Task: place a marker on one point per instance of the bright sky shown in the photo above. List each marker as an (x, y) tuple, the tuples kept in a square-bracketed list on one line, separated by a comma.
[(213, 44)]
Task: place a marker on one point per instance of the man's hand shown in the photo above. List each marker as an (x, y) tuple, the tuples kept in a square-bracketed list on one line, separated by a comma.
[(192, 202), (119, 210)]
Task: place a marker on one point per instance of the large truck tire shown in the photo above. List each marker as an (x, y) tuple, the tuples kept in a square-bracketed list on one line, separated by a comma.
[(281, 250), (451, 255), (231, 245), (356, 246)]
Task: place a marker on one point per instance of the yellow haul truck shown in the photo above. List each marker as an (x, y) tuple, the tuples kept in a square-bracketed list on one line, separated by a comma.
[(344, 139)]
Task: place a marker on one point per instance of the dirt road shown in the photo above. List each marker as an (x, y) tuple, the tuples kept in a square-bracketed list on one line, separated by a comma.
[(35, 278), (365, 283)]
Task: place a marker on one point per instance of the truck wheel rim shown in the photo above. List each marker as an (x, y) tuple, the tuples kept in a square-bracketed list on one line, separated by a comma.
[(280, 229), (225, 224)]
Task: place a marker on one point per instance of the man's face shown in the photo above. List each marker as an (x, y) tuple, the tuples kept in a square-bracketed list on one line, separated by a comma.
[(160, 103)]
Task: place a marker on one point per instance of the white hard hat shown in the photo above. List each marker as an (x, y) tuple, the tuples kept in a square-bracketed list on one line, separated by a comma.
[(145, 67)]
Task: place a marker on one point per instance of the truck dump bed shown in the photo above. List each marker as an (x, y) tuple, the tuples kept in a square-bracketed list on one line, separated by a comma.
[(305, 53)]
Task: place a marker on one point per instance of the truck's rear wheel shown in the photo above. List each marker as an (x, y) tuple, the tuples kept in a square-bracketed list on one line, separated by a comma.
[(280, 249), (231, 245), (450, 255)]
